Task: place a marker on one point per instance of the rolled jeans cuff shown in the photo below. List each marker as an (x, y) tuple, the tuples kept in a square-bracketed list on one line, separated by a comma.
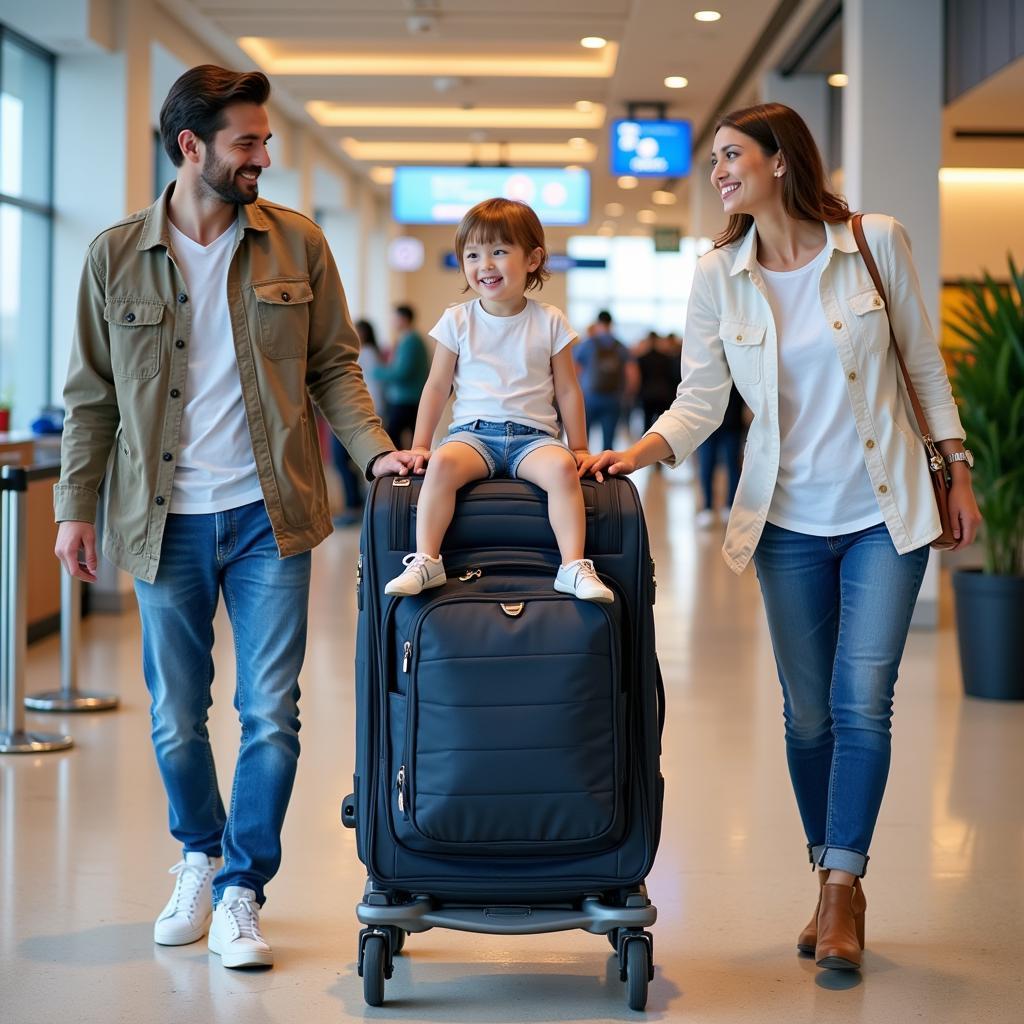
[(838, 859)]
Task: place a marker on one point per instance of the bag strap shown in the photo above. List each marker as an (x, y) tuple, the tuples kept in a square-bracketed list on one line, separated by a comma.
[(915, 402)]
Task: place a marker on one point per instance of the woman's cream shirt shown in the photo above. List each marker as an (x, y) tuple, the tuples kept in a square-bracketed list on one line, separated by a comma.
[(730, 337)]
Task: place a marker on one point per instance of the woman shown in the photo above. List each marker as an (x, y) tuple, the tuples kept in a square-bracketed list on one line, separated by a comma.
[(834, 503)]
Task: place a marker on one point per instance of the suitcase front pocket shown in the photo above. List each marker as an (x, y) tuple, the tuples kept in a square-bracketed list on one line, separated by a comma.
[(513, 726)]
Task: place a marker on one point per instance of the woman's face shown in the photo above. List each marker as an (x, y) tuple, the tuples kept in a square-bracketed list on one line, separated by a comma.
[(747, 178)]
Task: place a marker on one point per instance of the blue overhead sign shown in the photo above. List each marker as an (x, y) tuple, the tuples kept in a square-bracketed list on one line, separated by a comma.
[(651, 149), (442, 195)]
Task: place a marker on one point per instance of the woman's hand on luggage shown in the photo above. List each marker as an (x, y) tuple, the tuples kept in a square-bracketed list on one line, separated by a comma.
[(612, 462)]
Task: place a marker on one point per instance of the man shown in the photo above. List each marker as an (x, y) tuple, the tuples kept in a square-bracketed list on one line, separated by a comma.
[(404, 376), (207, 326), (608, 377)]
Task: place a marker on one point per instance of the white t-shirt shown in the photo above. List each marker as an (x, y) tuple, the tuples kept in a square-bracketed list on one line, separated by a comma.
[(215, 469), (504, 368), (823, 488)]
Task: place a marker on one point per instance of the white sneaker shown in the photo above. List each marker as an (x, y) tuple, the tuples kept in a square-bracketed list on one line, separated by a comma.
[(705, 518), (187, 914), (580, 579), (421, 573), (723, 515), (235, 932)]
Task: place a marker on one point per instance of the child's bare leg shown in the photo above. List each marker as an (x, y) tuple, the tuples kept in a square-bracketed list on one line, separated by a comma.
[(552, 468), (452, 466)]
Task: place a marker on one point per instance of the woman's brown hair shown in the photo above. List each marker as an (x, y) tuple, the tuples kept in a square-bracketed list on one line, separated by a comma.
[(504, 220), (805, 194)]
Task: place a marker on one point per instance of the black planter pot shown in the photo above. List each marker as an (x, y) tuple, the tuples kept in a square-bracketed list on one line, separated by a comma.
[(990, 628)]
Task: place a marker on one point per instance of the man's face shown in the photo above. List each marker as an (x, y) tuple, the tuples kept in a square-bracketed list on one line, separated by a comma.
[(237, 154)]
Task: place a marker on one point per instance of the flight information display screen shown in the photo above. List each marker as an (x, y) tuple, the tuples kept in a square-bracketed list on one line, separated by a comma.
[(650, 149)]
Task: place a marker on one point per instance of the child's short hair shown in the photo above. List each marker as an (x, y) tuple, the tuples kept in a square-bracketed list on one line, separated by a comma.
[(504, 220)]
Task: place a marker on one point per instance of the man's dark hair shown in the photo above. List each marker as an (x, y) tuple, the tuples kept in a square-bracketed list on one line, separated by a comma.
[(197, 100), (605, 318), (406, 312)]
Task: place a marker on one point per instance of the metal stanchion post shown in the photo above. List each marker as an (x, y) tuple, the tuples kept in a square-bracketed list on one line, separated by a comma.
[(13, 620), (69, 697)]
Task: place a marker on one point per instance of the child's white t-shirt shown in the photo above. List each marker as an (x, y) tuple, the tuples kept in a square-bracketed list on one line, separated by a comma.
[(503, 371)]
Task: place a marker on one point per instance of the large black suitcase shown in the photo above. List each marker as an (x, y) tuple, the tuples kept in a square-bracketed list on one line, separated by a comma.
[(508, 736)]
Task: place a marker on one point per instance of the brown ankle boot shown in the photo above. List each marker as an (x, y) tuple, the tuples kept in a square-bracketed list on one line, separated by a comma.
[(808, 938), (840, 927)]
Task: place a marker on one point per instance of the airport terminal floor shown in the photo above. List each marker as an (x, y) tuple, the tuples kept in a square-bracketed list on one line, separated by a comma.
[(84, 847)]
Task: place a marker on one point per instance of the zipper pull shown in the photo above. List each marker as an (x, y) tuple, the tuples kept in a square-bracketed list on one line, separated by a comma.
[(471, 574), (400, 786), (406, 655)]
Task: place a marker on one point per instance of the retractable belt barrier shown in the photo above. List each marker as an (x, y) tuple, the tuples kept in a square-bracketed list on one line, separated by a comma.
[(14, 739)]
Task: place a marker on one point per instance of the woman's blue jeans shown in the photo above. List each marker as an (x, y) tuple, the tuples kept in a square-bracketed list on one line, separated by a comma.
[(267, 599), (838, 610)]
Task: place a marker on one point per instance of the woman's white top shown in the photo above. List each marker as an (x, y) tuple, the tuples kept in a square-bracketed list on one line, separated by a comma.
[(215, 469), (503, 371), (731, 336), (820, 490)]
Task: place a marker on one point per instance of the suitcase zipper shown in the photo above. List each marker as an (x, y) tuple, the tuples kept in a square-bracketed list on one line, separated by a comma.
[(400, 786), (406, 656)]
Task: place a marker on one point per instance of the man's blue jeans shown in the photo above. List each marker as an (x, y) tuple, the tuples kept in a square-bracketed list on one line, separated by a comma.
[(267, 600), (839, 610)]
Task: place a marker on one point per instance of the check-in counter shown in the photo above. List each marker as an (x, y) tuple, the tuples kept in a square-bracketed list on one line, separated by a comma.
[(23, 449)]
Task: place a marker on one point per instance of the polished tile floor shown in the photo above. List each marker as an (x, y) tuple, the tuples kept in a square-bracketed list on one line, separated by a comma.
[(84, 847)]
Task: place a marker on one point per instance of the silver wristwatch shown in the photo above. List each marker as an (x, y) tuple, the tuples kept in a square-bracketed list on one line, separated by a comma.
[(965, 456)]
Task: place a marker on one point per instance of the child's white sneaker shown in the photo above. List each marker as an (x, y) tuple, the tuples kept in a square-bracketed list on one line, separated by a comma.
[(235, 933), (705, 518), (421, 573), (580, 579), (187, 914)]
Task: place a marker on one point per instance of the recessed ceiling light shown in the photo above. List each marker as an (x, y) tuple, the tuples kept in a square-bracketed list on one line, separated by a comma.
[(707, 16), (382, 175), (614, 209), (664, 198), (593, 42), (838, 80), (584, 106), (646, 216), (677, 82), (628, 181), (606, 231), (577, 141), (573, 167)]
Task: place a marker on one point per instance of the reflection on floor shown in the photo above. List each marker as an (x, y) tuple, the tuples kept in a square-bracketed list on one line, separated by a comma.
[(84, 846)]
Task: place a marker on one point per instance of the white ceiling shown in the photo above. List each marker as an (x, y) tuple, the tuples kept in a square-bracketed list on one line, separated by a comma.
[(655, 38)]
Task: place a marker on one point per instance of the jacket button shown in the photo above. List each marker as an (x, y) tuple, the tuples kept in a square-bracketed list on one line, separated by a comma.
[(129, 318), (179, 343), (159, 500), (175, 392), (182, 297), (869, 444), (877, 301), (883, 489), (837, 324), (285, 296), (168, 456), (851, 375)]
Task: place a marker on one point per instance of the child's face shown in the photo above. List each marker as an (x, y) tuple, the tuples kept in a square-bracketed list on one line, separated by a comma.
[(498, 270)]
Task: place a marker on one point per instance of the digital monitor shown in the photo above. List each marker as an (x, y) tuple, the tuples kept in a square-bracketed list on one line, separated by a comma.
[(442, 195), (651, 149)]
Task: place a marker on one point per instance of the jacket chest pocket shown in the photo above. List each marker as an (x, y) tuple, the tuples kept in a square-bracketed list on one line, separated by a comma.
[(743, 343), (283, 307), (135, 328), (869, 320)]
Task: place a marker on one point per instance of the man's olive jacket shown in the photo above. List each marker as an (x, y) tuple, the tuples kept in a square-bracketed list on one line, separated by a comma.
[(125, 392)]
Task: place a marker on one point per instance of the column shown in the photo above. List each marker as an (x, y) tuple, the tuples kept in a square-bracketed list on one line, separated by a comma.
[(892, 144)]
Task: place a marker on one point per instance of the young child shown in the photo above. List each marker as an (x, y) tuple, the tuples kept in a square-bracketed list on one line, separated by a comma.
[(509, 359)]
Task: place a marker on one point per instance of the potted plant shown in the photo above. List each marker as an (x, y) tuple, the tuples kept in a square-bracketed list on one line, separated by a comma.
[(989, 383)]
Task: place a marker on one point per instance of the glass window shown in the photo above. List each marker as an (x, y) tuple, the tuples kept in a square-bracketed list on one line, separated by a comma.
[(26, 219)]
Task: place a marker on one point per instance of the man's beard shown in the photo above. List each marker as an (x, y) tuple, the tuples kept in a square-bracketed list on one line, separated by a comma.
[(220, 178)]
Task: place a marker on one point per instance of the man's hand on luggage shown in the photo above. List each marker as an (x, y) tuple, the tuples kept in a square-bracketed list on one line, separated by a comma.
[(74, 537), (420, 460), (392, 463), (612, 462)]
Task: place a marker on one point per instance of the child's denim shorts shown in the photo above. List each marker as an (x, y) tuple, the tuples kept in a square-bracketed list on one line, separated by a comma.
[(501, 445)]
